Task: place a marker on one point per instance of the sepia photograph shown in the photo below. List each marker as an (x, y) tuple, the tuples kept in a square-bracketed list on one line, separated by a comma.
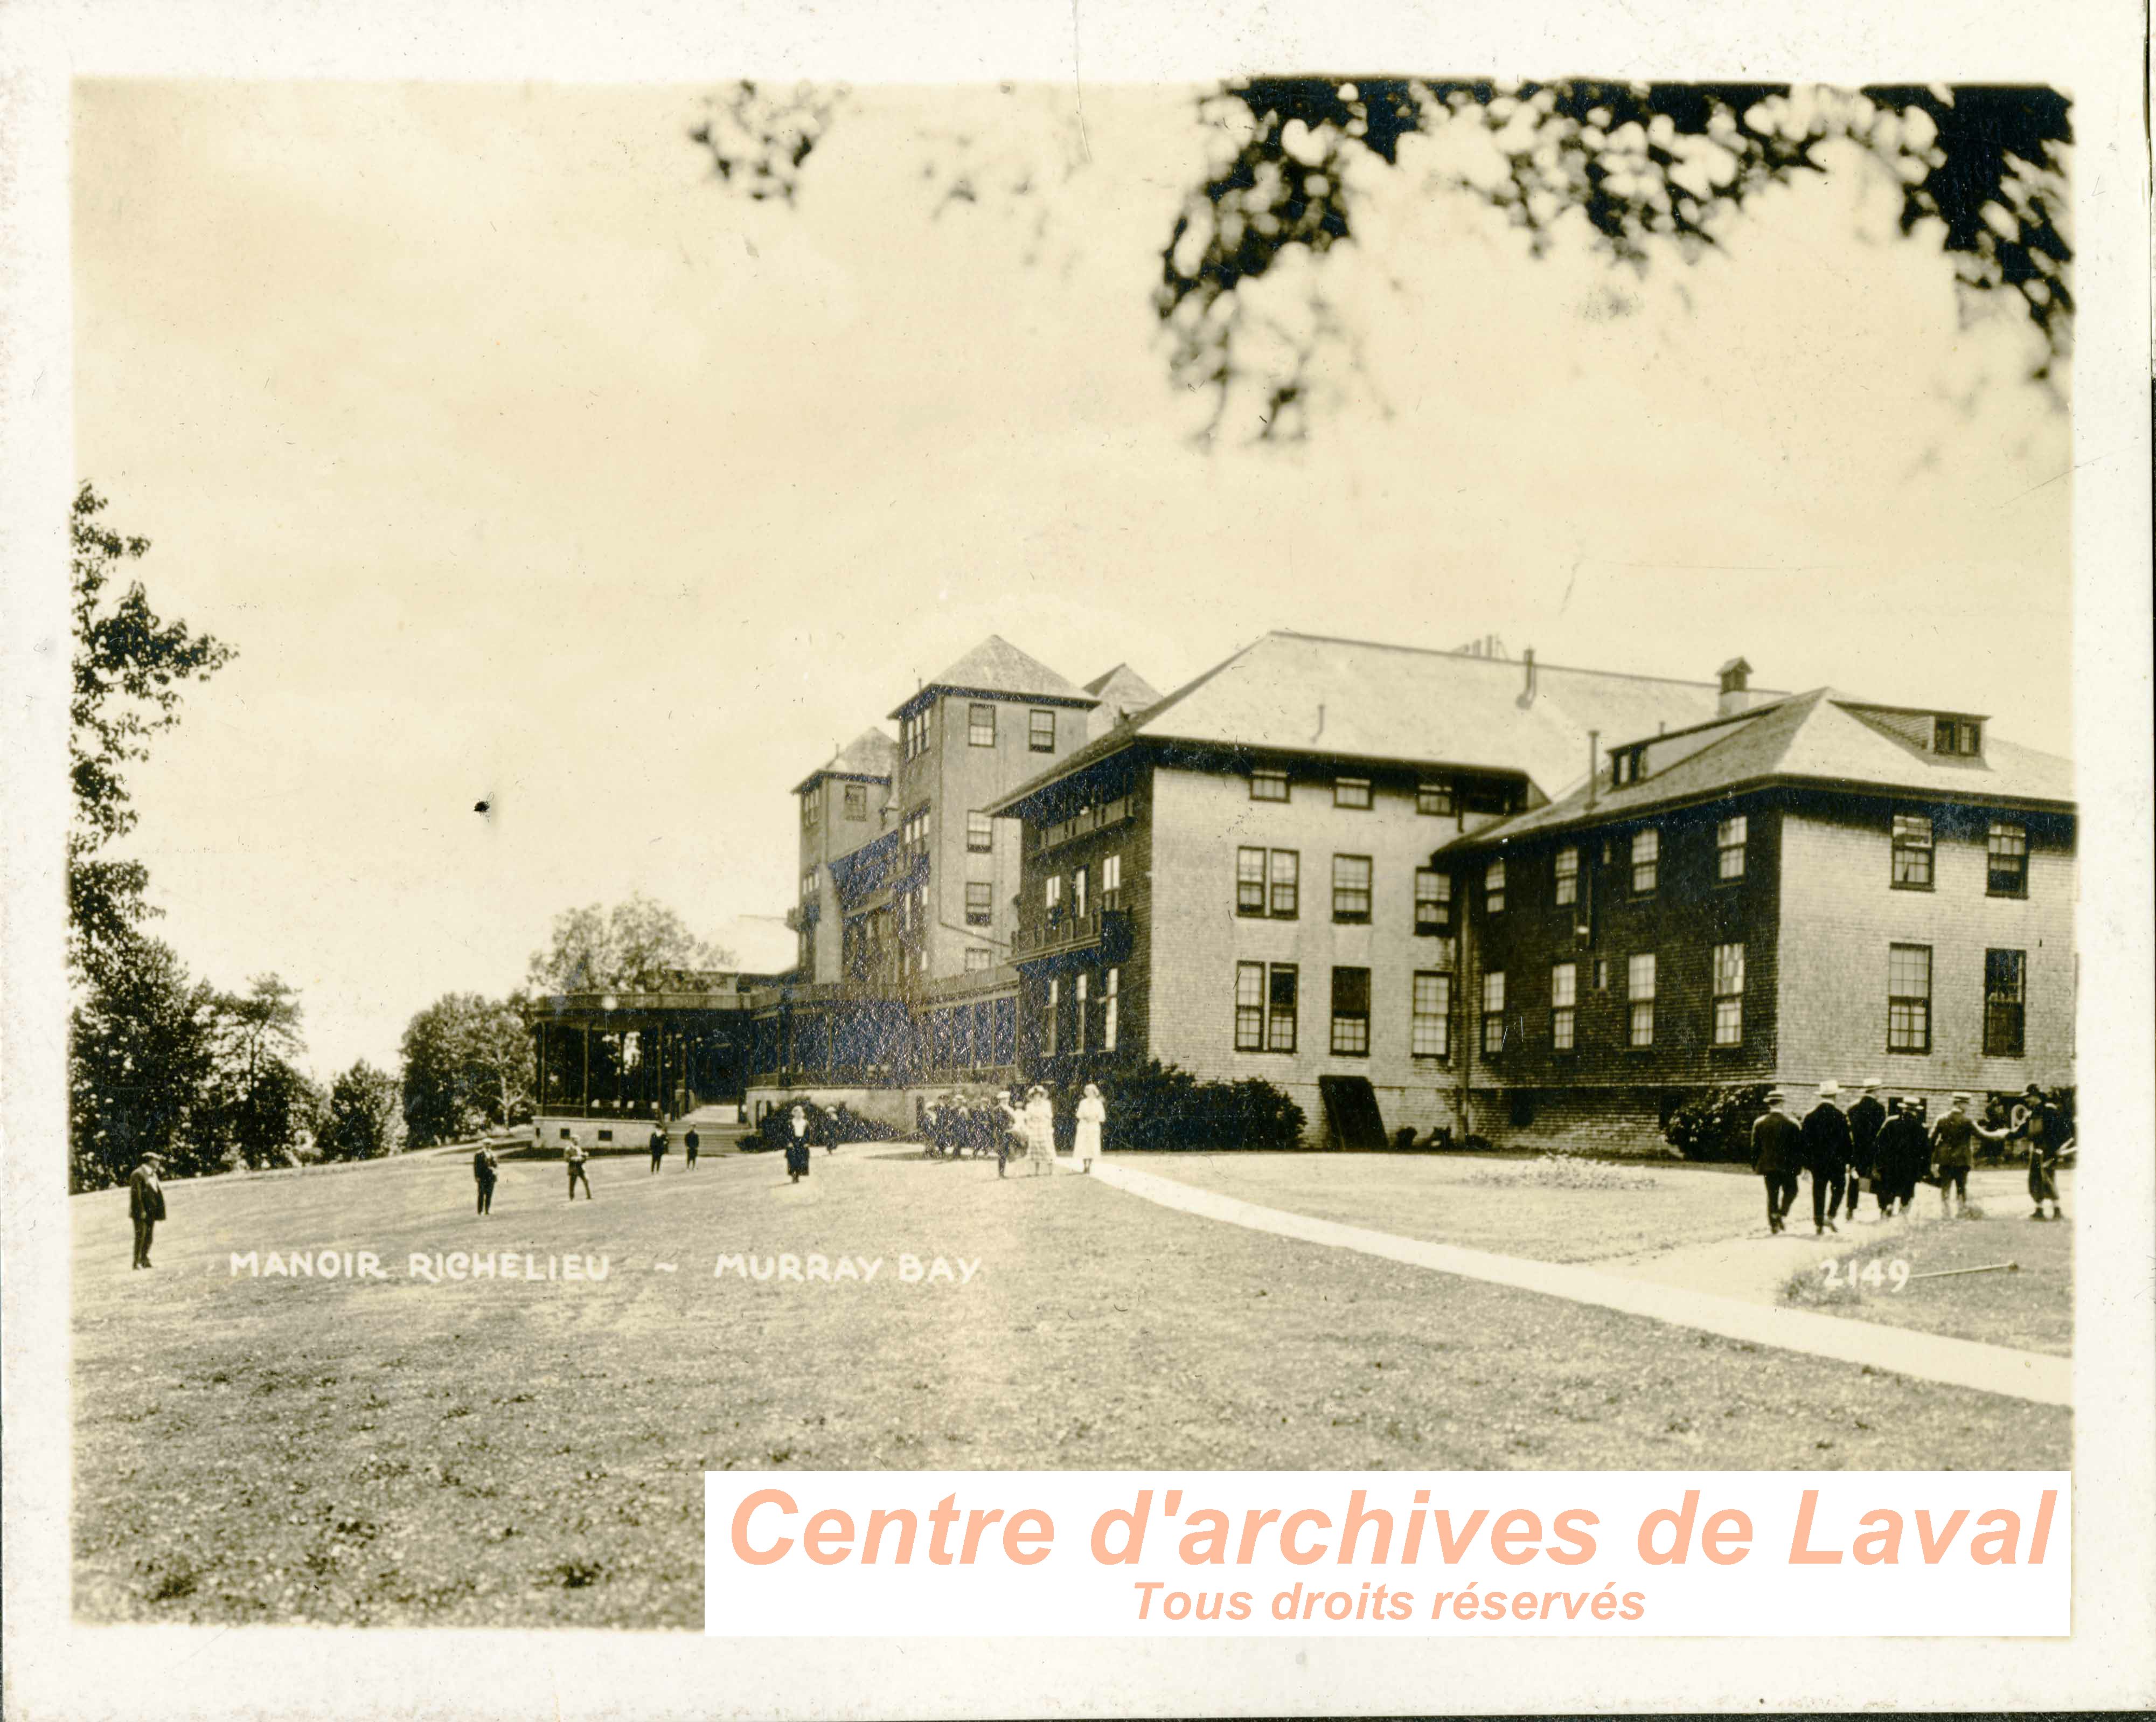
[(1294, 771)]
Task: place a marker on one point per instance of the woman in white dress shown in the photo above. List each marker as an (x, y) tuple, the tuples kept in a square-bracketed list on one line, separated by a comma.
[(1040, 1131), (1092, 1113)]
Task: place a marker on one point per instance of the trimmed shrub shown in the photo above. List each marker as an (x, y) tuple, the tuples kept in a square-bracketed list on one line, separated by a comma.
[(1163, 1107), (1717, 1125), (828, 1126)]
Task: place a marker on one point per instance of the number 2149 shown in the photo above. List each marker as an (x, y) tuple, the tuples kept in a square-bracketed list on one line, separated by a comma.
[(1873, 1273)]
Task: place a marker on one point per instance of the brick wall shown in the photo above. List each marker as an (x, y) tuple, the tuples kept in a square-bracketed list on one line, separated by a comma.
[(1841, 912)]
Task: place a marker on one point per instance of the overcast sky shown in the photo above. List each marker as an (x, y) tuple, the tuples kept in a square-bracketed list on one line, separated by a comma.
[(523, 462)]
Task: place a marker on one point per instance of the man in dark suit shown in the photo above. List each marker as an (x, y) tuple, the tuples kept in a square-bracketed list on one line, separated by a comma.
[(1866, 1119), (145, 1204), (2041, 1127), (658, 1143), (1904, 1155), (486, 1169), (1827, 1149), (689, 1143), (1778, 1146)]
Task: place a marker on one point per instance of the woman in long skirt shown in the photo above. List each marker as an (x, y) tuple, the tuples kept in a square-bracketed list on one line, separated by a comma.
[(1040, 1131), (1092, 1113)]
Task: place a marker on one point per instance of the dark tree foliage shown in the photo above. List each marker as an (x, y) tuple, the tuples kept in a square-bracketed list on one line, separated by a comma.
[(142, 1058), (467, 1064), (1717, 1125), (1643, 167), (129, 669), (360, 1120), (1163, 1106)]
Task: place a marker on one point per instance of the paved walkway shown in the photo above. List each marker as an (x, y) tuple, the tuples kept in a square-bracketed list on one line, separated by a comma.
[(1928, 1357)]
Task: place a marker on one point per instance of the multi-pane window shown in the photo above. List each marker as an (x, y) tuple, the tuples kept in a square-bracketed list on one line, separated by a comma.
[(1567, 876), (1268, 786), (1729, 839), (1111, 882), (980, 834), (978, 958), (2005, 1003), (812, 809), (1646, 860), (1433, 901), (981, 724), (1624, 766), (808, 884), (1640, 994), (1040, 731), (1078, 1042), (857, 801), (1729, 995), (1265, 1007), (1286, 884), (913, 731), (1434, 798), (980, 904), (1351, 887), (1493, 887), (1429, 1029), (1351, 791), (1958, 735), (1051, 894), (1249, 882), (1493, 1011), (913, 835), (1111, 987), (1564, 1001), (1909, 997), (2007, 859), (1351, 1012), (1912, 851)]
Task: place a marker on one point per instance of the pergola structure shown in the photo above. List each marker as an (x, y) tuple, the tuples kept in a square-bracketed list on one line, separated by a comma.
[(654, 1053)]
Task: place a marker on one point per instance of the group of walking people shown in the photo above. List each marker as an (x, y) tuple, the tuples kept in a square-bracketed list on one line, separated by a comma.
[(954, 1128), (1842, 1151)]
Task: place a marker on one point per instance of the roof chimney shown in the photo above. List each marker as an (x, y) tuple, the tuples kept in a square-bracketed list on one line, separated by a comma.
[(1593, 764), (1736, 677), (1528, 693)]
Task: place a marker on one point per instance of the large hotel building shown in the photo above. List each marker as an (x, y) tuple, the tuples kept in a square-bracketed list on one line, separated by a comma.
[(1411, 889)]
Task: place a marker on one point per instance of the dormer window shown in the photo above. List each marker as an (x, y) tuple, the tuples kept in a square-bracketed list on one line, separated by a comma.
[(1627, 766), (1960, 735)]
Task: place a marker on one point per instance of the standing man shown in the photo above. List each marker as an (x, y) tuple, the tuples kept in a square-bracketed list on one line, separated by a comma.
[(1010, 1128), (2040, 1127), (1778, 1149), (486, 1169), (689, 1143), (658, 1143), (1954, 1148), (577, 1159), (145, 1204), (1866, 1119), (1826, 1156), (1904, 1155)]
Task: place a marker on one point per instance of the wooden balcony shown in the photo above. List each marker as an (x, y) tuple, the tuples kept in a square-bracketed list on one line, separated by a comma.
[(1106, 930)]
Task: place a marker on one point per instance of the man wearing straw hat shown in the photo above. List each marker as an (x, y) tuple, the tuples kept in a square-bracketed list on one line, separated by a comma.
[(1866, 1119), (145, 1204), (1826, 1156), (1778, 1149)]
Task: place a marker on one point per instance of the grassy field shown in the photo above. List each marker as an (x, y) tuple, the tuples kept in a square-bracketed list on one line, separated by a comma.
[(1485, 1203), (528, 1453), (2031, 1308)]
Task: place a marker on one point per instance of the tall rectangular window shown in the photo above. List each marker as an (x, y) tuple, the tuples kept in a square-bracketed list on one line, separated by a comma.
[(812, 809), (980, 724), (1280, 1009), (1351, 791), (1051, 894), (1250, 1007), (1433, 901), (1434, 798), (1111, 987), (2006, 858), (1729, 839), (1729, 995), (1351, 1012), (1265, 1007), (2005, 1003), (1564, 1001), (1268, 786), (1646, 860), (1286, 884), (980, 834), (1493, 1012), (1051, 1010), (1567, 876), (1078, 892), (1078, 1031), (857, 801), (1493, 887), (1351, 888), (980, 904), (1640, 994), (1040, 731), (1429, 1029), (1111, 882), (1249, 882), (1909, 997), (1912, 851)]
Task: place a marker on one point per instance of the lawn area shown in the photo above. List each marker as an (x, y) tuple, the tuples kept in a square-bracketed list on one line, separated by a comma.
[(2031, 1310), (521, 1452), (1484, 1202)]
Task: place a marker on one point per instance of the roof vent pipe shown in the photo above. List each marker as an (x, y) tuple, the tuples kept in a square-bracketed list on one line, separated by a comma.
[(1593, 764), (1528, 692)]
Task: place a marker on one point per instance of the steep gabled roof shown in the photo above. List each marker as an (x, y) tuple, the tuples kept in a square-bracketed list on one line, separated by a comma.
[(1302, 694), (871, 756), (1820, 737), (996, 666)]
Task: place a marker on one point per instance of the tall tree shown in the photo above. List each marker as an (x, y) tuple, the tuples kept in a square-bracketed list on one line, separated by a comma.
[(467, 1062), (130, 668), (142, 1055), (263, 1099), (361, 1118), (594, 948), (1651, 172)]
